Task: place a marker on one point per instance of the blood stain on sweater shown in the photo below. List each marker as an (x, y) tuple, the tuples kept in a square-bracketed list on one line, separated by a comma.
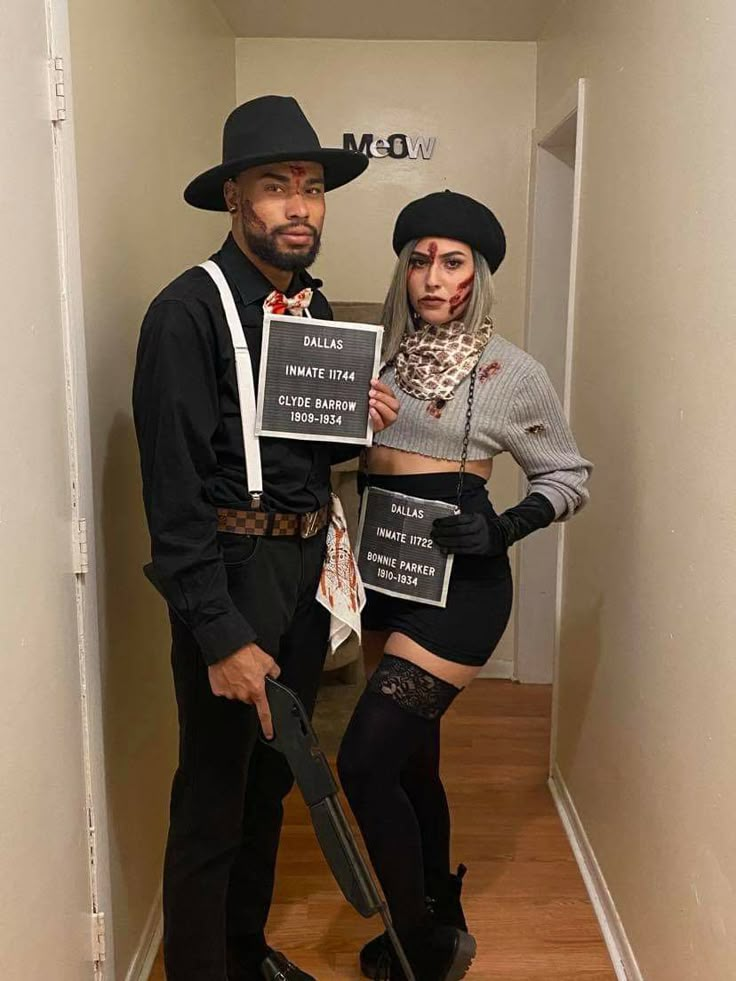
[(489, 370)]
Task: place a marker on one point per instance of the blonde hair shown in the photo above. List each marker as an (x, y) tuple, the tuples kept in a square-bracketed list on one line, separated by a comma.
[(397, 315)]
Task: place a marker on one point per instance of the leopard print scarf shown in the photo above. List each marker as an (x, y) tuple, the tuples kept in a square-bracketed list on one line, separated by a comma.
[(434, 359)]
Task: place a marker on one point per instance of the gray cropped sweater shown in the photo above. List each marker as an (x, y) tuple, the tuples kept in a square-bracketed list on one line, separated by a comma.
[(515, 409)]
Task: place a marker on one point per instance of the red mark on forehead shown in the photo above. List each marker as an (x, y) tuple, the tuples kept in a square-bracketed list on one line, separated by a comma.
[(299, 173), (431, 251), (250, 216)]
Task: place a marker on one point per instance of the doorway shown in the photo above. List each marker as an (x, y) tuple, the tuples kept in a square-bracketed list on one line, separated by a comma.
[(554, 221), (55, 884)]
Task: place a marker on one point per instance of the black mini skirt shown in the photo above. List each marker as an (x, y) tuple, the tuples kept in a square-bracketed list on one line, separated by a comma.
[(467, 630)]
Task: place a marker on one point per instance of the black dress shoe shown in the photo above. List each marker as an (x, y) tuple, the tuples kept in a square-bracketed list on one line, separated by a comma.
[(277, 967)]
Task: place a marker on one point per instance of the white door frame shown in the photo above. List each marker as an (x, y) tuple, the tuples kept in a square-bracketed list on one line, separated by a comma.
[(572, 105), (567, 390), (80, 473)]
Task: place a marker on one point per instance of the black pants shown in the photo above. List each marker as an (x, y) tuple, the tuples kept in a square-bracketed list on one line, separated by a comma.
[(227, 794)]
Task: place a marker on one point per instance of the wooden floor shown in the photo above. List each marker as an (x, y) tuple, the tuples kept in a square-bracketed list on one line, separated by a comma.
[(524, 898)]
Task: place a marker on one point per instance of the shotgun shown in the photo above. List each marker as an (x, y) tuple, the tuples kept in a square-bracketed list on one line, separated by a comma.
[(297, 740)]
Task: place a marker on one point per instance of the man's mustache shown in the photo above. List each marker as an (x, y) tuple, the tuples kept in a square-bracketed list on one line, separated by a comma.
[(296, 227)]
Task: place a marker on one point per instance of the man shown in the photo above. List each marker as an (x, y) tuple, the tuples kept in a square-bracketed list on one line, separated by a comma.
[(242, 606)]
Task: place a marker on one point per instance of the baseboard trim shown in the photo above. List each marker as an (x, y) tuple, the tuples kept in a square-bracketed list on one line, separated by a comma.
[(142, 963), (497, 669), (614, 935)]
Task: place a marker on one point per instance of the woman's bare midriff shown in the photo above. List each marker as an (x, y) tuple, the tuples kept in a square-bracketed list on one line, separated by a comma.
[(389, 461)]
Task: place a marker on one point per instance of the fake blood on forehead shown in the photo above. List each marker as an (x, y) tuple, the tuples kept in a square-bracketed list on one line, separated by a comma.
[(432, 251), (298, 172)]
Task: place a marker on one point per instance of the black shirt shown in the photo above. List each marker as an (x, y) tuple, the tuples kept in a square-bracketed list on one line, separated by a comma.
[(187, 418)]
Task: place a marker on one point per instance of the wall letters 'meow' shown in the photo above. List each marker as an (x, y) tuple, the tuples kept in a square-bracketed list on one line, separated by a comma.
[(399, 146)]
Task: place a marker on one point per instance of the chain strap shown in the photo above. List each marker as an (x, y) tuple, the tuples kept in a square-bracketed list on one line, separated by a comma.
[(466, 435)]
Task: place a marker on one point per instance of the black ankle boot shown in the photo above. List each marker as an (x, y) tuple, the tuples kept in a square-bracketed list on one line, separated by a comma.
[(435, 953), (444, 907), (371, 953), (445, 903)]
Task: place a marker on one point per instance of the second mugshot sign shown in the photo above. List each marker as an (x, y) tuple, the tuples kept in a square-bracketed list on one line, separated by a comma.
[(395, 551), (315, 377)]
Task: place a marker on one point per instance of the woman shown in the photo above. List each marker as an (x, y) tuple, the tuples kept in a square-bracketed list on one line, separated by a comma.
[(465, 395)]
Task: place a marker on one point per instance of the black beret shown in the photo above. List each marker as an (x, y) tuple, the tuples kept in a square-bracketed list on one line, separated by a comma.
[(448, 214)]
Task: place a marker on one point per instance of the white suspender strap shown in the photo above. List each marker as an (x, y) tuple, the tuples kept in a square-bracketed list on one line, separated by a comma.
[(246, 390)]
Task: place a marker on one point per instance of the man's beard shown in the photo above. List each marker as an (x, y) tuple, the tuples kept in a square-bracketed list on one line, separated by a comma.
[(265, 246)]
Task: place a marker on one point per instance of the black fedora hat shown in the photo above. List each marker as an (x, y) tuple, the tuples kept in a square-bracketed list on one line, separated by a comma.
[(269, 129)]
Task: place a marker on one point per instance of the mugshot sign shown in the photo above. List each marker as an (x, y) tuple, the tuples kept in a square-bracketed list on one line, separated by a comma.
[(314, 379), (394, 548)]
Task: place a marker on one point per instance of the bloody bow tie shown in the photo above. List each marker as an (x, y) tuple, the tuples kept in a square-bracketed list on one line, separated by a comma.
[(277, 303)]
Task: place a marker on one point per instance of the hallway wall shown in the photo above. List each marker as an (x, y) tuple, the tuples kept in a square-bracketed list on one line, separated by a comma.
[(153, 84), (647, 674)]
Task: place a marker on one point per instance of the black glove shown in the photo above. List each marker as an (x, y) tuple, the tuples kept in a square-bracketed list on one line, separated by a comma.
[(469, 534), (484, 534)]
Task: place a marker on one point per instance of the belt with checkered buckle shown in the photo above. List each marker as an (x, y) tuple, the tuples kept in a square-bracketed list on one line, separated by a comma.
[(272, 523)]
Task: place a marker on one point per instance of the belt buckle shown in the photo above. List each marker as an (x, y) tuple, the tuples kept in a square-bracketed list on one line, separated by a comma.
[(309, 524)]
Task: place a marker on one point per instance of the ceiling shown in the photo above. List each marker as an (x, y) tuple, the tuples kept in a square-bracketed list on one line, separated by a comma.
[(418, 20)]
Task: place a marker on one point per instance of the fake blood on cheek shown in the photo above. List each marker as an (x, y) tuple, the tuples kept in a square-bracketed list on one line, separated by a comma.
[(461, 295), (250, 216)]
